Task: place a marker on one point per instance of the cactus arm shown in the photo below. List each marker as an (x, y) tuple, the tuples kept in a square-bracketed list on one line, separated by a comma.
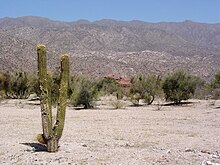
[(49, 82), (46, 112), (61, 108)]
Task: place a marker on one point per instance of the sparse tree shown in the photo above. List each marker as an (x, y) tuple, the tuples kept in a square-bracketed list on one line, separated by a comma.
[(214, 87), (216, 81), (17, 85), (144, 87), (179, 86), (108, 85), (83, 92)]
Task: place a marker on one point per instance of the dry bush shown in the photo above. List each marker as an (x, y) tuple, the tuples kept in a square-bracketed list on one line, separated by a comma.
[(117, 104)]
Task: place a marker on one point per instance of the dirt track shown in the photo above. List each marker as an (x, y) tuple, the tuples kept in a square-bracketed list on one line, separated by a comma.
[(188, 134)]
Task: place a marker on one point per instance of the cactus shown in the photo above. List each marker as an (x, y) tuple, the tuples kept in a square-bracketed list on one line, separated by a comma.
[(52, 133)]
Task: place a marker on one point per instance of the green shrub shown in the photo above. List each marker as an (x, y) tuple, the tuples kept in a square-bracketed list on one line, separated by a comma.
[(34, 84), (214, 87), (144, 87), (53, 81), (203, 90), (17, 85), (1, 96), (1, 87), (216, 93), (108, 86), (179, 86), (4, 83), (83, 92), (216, 83)]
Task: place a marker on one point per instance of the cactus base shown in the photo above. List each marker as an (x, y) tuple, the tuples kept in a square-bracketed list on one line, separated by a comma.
[(52, 145)]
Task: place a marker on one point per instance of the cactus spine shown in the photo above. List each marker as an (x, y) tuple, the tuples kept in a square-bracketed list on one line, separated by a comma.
[(52, 133)]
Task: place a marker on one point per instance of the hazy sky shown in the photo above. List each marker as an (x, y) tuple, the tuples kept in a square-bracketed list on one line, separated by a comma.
[(145, 10)]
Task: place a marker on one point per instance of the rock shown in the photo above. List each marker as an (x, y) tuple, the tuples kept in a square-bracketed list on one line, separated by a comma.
[(189, 150), (209, 163), (205, 151), (84, 145)]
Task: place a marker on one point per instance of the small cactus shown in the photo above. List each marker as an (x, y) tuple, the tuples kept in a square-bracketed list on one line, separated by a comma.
[(52, 133)]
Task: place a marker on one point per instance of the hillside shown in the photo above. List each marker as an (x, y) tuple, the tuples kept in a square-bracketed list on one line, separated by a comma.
[(104, 46)]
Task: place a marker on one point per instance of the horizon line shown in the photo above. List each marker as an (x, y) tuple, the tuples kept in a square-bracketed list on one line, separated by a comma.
[(111, 19)]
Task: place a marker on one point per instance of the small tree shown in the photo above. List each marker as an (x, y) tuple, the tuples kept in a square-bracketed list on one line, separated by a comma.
[(108, 85), (2, 81), (82, 92), (54, 83), (216, 82), (179, 86), (5, 79), (214, 87), (144, 87)]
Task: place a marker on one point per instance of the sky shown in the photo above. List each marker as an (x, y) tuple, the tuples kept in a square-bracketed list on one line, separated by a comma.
[(207, 11)]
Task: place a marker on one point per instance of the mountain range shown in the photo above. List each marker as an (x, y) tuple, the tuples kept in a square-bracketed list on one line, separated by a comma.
[(125, 48)]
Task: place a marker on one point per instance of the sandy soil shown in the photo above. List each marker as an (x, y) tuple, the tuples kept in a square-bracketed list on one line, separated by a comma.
[(187, 134)]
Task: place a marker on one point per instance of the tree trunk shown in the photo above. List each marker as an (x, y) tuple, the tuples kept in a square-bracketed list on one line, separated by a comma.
[(52, 145), (151, 101)]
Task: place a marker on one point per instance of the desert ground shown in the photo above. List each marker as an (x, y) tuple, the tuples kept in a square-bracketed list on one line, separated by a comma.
[(169, 135)]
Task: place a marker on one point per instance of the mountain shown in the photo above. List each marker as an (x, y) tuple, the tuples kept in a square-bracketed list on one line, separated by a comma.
[(123, 47), (202, 34)]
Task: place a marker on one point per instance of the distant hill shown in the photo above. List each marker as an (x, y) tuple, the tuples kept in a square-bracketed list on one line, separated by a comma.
[(123, 47)]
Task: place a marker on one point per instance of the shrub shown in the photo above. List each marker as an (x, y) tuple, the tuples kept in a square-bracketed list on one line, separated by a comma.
[(203, 90), (4, 83), (16, 85), (34, 84), (109, 86), (53, 80), (1, 96), (179, 86), (117, 104), (216, 93), (216, 82), (214, 87), (144, 87), (83, 92)]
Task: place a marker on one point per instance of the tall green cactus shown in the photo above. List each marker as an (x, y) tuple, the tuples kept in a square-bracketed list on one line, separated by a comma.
[(52, 133)]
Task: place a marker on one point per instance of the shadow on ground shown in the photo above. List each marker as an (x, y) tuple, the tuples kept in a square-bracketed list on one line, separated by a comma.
[(179, 104), (37, 146)]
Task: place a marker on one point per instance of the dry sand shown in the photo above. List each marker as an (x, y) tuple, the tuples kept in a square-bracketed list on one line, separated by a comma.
[(188, 134)]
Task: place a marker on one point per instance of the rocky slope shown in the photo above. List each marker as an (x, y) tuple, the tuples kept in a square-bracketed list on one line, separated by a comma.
[(104, 46)]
